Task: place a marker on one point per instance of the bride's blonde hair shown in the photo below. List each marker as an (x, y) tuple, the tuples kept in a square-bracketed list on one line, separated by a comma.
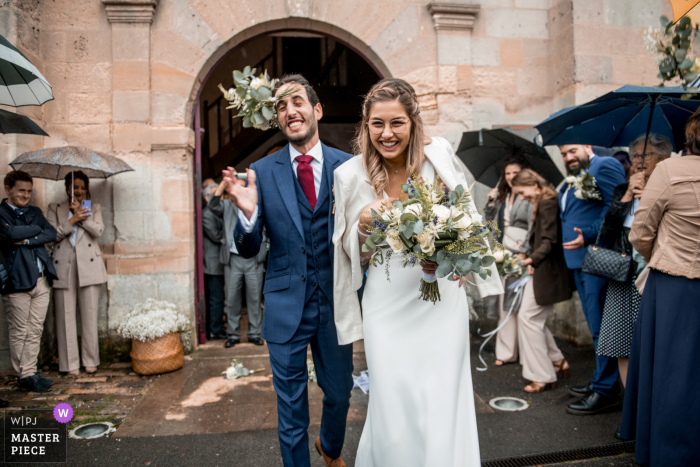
[(384, 91)]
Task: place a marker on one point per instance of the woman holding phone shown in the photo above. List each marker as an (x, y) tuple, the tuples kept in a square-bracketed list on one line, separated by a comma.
[(78, 261)]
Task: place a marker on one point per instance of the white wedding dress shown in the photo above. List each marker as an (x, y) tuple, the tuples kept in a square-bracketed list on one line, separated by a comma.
[(421, 402)]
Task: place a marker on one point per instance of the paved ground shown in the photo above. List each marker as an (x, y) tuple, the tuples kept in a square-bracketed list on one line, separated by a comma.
[(194, 417)]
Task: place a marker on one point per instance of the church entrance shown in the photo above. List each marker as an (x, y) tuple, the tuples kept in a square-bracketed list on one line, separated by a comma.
[(340, 76)]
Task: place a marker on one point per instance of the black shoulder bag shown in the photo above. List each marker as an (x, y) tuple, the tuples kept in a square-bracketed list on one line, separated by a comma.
[(608, 264)]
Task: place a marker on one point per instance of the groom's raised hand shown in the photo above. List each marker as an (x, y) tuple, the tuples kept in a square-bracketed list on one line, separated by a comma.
[(244, 197)]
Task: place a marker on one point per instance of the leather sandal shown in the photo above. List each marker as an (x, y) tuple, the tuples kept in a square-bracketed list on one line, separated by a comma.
[(539, 387), (562, 366)]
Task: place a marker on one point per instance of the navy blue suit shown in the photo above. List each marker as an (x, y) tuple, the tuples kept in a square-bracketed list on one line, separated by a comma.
[(587, 216), (299, 301)]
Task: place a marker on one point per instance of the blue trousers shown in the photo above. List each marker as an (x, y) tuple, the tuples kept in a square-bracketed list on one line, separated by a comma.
[(333, 364), (215, 298), (591, 290)]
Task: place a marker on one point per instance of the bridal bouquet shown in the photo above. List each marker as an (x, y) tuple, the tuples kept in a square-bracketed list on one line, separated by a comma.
[(508, 264), (253, 98), (433, 224), (585, 186)]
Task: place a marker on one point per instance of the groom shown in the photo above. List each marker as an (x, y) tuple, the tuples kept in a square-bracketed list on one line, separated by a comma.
[(290, 194)]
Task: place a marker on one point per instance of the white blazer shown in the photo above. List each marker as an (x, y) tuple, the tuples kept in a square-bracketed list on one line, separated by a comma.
[(353, 193)]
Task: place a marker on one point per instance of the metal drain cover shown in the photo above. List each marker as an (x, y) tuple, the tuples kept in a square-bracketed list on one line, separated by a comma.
[(508, 404), (91, 430)]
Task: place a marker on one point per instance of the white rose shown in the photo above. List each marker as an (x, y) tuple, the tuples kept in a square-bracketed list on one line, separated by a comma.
[(435, 197), (426, 241), (578, 193), (441, 212), (257, 83), (570, 179), (390, 214), (476, 218), (415, 209), (499, 255), (394, 241)]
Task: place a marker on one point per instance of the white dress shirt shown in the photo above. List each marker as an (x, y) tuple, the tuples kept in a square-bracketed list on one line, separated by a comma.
[(563, 198), (316, 165)]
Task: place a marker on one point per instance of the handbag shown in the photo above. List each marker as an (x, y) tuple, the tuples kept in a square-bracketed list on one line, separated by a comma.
[(514, 238), (608, 264)]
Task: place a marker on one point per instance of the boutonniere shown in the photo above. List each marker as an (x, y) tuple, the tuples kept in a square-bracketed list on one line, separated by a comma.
[(333, 195), (585, 186)]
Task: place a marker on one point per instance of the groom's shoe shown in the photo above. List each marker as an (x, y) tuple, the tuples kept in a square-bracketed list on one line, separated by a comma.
[(339, 462)]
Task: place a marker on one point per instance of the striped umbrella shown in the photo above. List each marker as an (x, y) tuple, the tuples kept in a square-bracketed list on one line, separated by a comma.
[(20, 81)]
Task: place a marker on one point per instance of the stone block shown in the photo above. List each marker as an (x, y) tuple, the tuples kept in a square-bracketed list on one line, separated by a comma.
[(177, 288), (401, 32), (174, 263), (455, 116), (170, 80), (175, 51), (421, 50), (73, 14), (487, 111), (88, 46), (464, 78), (189, 24), (129, 226), (512, 53), (131, 41), (486, 52), (536, 52), (174, 195), (634, 12), (629, 69), (168, 108), (111, 264), (494, 81), (511, 23), (585, 94), (133, 194), (144, 265), (424, 80), (594, 69), (94, 136), (172, 134), (79, 77), (447, 79), (56, 111), (534, 4), (131, 75), (174, 248), (182, 224), (158, 224), (131, 136), (454, 50), (131, 106), (589, 11), (227, 18), (89, 107), (534, 81), (560, 18)]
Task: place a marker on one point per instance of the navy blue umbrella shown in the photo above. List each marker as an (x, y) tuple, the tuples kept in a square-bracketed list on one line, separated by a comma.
[(619, 117)]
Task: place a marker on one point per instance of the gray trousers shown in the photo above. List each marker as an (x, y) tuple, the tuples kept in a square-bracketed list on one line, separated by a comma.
[(236, 271)]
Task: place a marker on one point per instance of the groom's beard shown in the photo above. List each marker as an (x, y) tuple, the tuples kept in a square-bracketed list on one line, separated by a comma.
[(302, 139), (575, 167)]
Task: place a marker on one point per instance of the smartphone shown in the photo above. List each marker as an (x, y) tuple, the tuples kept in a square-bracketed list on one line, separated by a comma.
[(87, 204)]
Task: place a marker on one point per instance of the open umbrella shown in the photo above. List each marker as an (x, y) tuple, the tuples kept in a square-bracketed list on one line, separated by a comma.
[(619, 117), (56, 163), (20, 81), (20, 124), (484, 151)]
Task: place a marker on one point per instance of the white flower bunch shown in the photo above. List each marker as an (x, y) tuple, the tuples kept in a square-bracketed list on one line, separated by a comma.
[(252, 97), (152, 319), (672, 48), (585, 186)]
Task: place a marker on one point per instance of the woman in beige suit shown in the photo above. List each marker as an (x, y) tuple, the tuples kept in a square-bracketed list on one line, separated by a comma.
[(78, 261)]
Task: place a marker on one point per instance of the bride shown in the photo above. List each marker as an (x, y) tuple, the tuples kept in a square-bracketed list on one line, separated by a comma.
[(421, 406)]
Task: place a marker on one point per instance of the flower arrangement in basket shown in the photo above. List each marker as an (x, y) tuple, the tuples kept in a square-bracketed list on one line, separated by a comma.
[(508, 264), (153, 327), (433, 224), (252, 97)]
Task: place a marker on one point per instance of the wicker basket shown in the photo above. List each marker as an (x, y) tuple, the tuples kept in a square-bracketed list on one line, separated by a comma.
[(160, 355)]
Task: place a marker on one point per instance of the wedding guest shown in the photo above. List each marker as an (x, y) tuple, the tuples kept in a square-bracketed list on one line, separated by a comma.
[(514, 218), (624, 159), (26, 297), (214, 284), (539, 354), (238, 270), (81, 272), (622, 299), (206, 183), (661, 409), (581, 217)]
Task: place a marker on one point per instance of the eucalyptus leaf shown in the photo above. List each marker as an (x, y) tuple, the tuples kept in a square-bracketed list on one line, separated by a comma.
[(254, 94), (258, 118), (418, 227), (444, 269), (407, 216), (487, 261), (247, 71), (685, 22), (441, 256), (676, 40), (247, 123), (453, 197), (397, 205), (680, 55), (376, 236), (465, 266), (264, 93), (267, 113), (664, 21), (408, 202), (366, 248), (686, 64), (416, 248), (241, 91), (374, 213), (484, 274)]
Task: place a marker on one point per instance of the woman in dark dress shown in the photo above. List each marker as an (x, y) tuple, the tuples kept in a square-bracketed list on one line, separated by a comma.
[(623, 299), (662, 410)]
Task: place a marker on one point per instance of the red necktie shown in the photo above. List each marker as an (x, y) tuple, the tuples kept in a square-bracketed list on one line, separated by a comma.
[(305, 175)]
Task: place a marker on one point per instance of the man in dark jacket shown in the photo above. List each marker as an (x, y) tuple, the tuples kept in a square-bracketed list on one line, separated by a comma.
[(31, 273)]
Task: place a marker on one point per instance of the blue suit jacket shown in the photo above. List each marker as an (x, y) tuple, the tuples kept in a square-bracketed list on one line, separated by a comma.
[(278, 212), (588, 215)]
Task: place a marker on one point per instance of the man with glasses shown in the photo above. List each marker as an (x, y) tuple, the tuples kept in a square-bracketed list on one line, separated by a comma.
[(581, 220)]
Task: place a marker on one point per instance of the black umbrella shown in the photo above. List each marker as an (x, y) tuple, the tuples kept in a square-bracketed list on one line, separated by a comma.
[(484, 151), (16, 123)]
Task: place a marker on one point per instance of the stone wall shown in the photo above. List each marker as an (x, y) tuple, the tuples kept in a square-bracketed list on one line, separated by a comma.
[(126, 74)]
